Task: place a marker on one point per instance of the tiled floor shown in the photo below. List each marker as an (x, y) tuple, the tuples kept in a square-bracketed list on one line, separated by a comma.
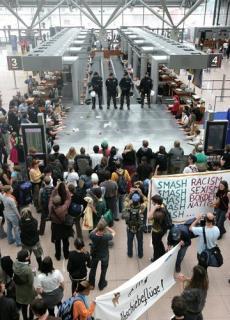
[(121, 267)]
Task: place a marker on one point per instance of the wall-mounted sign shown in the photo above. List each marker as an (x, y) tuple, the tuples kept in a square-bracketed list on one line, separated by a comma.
[(215, 60), (14, 63)]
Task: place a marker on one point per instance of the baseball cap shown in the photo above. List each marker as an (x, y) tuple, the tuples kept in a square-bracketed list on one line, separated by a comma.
[(136, 197)]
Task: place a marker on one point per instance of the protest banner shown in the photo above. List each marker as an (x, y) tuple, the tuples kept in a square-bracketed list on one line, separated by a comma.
[(137, 295), (185, 195)]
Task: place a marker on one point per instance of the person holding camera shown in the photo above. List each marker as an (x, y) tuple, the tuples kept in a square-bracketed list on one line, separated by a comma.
[(134, 216), (212, 232)]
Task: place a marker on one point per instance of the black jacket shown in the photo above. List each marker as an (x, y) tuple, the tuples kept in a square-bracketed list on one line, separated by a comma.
[(8, 309), (146, 84), (125, 84), (29, 232), (111, 85), (148, 153), (77, 264), (96, 83)]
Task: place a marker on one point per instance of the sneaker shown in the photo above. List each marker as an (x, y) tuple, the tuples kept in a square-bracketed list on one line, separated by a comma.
[(100, 107), (116, 219), (58, 258)]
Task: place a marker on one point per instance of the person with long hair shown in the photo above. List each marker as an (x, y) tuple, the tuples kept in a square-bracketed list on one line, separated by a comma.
[(195, 293), (70, 156), (50, 285), (58, 209), (79, 260), (222, 206), (129, 159)]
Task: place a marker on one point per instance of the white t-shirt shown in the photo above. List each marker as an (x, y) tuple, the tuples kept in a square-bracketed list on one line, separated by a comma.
[(212, 234), (96, 159), (71, 177), (50, 282), (190, 169)]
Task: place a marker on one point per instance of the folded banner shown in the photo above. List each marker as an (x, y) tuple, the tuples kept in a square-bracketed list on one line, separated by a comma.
[(137, 295), (188, 194)]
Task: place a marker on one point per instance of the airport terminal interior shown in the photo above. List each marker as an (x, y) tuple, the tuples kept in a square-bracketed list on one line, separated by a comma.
[(136, 94)]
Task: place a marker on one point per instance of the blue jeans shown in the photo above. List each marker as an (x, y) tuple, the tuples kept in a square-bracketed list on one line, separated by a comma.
[(180, 257), (120, 202), (12, 224), (130, 237)]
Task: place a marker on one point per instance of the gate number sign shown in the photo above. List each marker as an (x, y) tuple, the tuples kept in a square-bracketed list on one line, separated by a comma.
[(215, 60), (14, 63)]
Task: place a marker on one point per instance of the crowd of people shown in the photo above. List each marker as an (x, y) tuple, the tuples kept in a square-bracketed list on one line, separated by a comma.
[(79, 192)]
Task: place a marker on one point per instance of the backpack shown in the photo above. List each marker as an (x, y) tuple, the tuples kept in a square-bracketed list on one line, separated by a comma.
[(25, 193), (57, 169), (134, 220), (82, 164), (75, 209), (45, 197), (65, 311), (122, 183)]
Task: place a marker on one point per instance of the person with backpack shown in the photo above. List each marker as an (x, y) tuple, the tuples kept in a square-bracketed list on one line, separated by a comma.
[(43, 200), (60, 156), (75, 209), (97, 83), (79, 260), (122, 178), (24, 281), (82, 161), (134, 216), (29, 235)]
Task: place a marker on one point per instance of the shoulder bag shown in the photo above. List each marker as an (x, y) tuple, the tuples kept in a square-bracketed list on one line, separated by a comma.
[(210, 257)]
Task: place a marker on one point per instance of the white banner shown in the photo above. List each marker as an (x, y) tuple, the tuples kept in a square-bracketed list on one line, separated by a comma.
[(186, 195), (137, 295)]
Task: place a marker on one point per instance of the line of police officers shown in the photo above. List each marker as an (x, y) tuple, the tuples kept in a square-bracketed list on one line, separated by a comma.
[(125, 85)]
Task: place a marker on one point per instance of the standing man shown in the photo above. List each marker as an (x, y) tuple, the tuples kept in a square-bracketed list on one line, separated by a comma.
[(146, 86), (100, 252), (212, 232), (134, 216), (96, 83), (111, 85), (125, 85)]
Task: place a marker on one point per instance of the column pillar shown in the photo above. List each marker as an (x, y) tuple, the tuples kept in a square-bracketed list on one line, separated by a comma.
[(135, 64), (75, 81), (143, 65), (129, 54)]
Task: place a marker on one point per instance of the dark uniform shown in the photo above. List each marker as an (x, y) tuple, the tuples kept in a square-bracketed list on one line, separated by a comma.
[(96, 83), (111, 85), (125, 85), (146, 86)]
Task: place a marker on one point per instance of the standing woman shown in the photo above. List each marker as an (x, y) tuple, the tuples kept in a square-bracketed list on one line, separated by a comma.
[(79, 260), (58, 209), (70, 156), (13, 148), (50, 285), (195, 293), (36, 180), (5, 176), (161, 161), (222, 206), (29, 235), (129, 159), (159, 227)]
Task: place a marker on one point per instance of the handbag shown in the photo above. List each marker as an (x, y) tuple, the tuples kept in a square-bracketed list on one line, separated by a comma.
[(210, 257), (68, 221)]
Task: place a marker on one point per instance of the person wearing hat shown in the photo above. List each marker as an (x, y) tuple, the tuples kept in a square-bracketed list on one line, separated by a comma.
[(81, 308), (11, 215), (105, 150), (111, 85), (191, 168), (125, 85), (134, 216), (97, 83), (145, 88), (24, 280)]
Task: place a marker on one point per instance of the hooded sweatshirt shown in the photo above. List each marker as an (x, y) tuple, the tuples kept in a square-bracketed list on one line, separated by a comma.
[(29, 231), (24, 280)]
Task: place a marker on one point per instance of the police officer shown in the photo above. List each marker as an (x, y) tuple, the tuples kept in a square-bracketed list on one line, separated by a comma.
[(111, 85), (125, 85), (96, 83), (134, 216), (146, 86)]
